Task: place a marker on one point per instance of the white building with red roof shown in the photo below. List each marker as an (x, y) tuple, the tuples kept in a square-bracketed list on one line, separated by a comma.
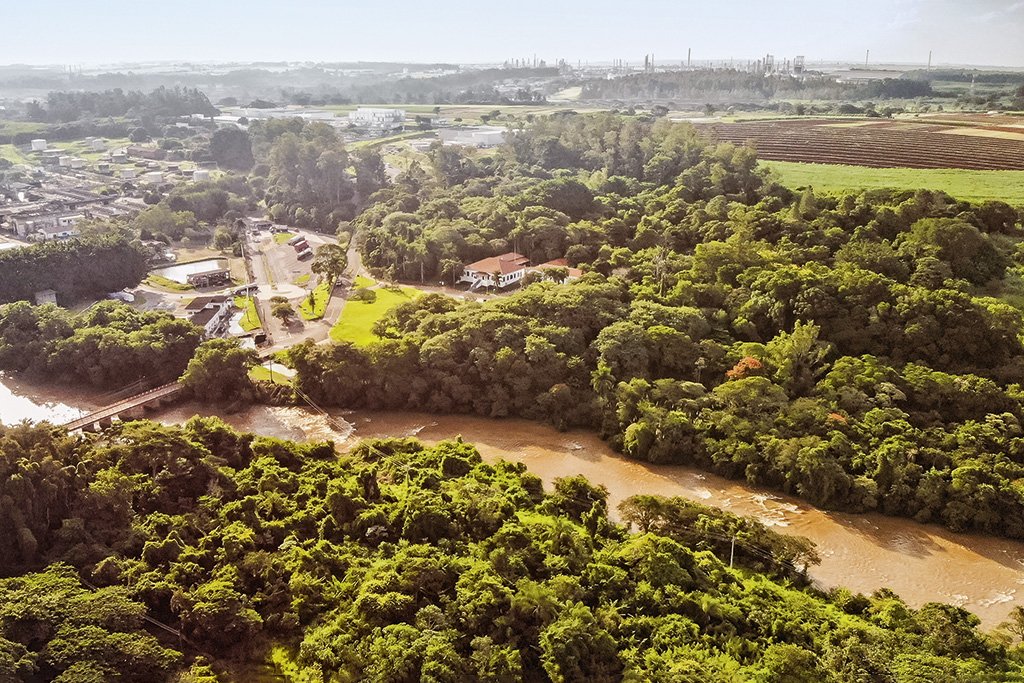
[(496, 271)]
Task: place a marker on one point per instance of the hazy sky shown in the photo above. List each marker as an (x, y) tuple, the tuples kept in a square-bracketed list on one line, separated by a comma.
[(103, 31)]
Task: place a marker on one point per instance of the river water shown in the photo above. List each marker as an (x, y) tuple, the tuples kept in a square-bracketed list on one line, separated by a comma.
[(921, 563)]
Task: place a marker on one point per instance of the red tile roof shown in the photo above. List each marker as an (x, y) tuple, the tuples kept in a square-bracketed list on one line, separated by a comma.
[(504, 264), (560, 263)]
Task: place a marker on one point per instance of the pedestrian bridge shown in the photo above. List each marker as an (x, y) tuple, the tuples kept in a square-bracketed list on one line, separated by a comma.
[(133, 407)]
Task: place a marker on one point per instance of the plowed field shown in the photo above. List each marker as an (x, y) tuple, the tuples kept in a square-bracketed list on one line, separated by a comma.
[(879, 144)]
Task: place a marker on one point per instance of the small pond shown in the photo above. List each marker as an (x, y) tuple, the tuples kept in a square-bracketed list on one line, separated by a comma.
[(181, 271)]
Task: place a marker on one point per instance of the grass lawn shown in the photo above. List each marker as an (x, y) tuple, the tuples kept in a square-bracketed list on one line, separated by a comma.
[(251, 319), (1007, 186), (262, 374), (11, 153), (358, 317), (315, 310), (283, 237), (167, 283), (302, 279), (378, 142)]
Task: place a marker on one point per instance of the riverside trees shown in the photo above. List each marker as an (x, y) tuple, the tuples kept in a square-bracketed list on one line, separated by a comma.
[(400, 561), (108, 346), (854, 350)]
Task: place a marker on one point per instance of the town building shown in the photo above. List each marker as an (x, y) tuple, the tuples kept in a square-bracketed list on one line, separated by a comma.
[(64, 229), (377, 120), (51, 223), (496, 271), (212, 313)]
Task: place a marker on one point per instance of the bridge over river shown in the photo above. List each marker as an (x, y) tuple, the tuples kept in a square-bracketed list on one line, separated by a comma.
[(131, 407)]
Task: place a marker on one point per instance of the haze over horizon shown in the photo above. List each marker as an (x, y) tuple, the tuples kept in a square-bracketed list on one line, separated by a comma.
[(982, 32)]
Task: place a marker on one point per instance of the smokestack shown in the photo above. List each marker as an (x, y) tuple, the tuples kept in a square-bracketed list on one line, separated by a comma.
[(689, 52), (929, 60), (866, 58)]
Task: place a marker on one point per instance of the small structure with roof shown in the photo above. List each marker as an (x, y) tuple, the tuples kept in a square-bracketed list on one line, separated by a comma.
[(209, 278), (212, 313)]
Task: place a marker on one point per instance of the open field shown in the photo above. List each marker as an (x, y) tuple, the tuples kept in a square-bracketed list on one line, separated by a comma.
[(358, 317), (14, 155), (9, 128), (1007, 186), (379, 142), (881, 144), (314, 310), (251, 318)]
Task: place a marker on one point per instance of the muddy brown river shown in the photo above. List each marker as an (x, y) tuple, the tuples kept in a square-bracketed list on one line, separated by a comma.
[(920, 562)]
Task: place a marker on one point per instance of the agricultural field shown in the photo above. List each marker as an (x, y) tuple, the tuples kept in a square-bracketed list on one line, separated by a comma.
[(977, 186), (921, 144)]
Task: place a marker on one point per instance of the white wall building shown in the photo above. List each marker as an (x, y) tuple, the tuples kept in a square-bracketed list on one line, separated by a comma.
[(375, 119), (496, 271)]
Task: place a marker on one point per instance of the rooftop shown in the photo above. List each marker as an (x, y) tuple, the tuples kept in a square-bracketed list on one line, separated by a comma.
[(202, 302), (503, 264)]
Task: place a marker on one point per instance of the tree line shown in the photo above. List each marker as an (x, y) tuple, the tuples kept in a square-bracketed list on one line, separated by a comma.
[(75, 269), (860, 350), (403, 562), (735, 85), (162, 102), (108, 346)]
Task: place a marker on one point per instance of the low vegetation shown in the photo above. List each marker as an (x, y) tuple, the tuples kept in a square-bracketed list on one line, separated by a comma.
[(360, 314), (250, 316), (314, 305), (977, 186)]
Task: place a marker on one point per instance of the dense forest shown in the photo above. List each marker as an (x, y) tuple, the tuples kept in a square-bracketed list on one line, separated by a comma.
[(857, 350), (67, 106), (75, 269), (108, 346), (401, 562)]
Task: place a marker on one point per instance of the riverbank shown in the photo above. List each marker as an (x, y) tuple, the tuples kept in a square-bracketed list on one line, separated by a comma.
[(922, 563)]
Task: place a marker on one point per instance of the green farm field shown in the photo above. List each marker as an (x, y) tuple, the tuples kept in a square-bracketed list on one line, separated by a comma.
[(978, 186)]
